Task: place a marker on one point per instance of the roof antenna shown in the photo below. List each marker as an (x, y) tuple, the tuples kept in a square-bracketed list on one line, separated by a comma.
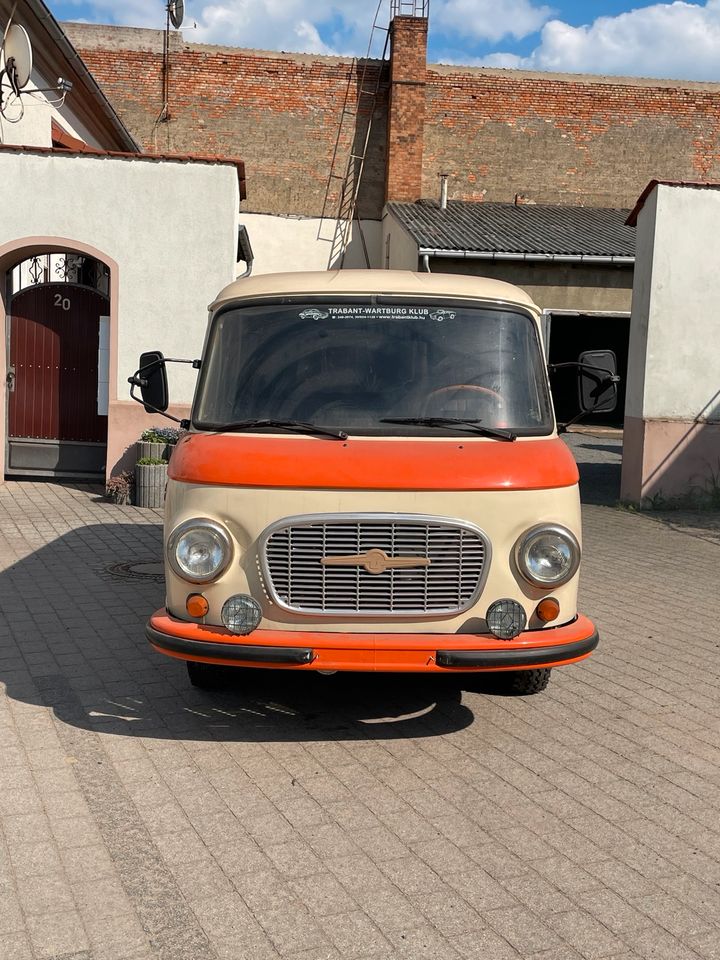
[(175, 12)]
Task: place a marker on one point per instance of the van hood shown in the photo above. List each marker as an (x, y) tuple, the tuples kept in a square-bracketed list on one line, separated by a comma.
[(371, 463)]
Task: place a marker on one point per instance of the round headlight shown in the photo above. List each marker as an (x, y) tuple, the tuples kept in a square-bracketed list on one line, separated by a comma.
[(547, 555), (241, 614), (199, 550)]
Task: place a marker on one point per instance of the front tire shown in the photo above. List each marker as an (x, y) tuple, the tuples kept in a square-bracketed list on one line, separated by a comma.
[(205, 676), (525, 683)]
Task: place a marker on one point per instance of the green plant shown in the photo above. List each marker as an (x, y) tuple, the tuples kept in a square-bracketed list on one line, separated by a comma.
[(160, 435), (702, 494), (708, 489), (118, 489), (658, 501), (151, 461)]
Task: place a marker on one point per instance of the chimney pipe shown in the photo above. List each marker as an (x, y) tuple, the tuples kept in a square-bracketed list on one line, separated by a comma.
[(443, 190)]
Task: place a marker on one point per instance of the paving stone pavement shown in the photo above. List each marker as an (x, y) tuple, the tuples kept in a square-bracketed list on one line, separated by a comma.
[(312, 818)]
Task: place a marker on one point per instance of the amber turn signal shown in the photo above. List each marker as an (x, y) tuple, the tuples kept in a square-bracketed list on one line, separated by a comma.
[(196, 605), (548, 609)]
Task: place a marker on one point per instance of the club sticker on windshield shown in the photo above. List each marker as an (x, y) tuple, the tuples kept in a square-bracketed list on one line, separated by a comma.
[(378, 312)]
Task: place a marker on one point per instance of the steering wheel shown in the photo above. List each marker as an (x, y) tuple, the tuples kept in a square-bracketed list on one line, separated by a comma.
[(475, 388)]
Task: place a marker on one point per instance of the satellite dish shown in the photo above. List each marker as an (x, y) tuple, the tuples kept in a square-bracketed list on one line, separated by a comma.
[(18, 56), (176, 9)]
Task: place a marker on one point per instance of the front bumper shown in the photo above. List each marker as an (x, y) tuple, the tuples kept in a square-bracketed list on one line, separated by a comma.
[(384, 652)]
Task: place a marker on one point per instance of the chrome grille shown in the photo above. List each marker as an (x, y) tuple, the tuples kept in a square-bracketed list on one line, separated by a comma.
[(292, 552)]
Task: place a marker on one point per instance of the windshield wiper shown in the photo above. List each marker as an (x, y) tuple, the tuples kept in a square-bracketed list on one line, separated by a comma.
[(473, 425), (294, 426)]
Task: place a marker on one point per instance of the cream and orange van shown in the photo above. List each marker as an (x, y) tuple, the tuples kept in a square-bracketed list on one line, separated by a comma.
[(371, 480)]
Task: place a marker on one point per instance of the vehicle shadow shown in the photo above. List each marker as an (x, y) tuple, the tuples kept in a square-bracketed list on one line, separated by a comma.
[(600, 467), (600, 483), (73, 613)]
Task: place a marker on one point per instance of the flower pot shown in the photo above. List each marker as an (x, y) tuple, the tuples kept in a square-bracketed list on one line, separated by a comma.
[(160, 451), (150, 483)]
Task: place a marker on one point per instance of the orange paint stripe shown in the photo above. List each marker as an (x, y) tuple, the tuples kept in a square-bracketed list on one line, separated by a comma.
[(372, 464)]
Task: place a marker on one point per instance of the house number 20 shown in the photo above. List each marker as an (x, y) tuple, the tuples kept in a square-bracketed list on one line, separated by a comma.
[(61, 301)]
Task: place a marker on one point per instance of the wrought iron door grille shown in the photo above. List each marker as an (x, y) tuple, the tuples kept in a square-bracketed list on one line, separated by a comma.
[(298, 580)]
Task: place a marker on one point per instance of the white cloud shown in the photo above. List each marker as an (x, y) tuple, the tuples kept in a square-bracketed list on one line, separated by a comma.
[(677, 40), (301, 25), (292, 25), (488, 19), (266, 24)]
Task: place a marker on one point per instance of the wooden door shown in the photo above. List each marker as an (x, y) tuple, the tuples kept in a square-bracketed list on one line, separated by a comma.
[(53, 421)]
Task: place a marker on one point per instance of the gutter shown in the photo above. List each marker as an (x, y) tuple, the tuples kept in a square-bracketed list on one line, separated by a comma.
[(56, 32), (427, 252)]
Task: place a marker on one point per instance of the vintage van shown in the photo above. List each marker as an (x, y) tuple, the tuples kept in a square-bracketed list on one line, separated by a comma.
[(371, 480)]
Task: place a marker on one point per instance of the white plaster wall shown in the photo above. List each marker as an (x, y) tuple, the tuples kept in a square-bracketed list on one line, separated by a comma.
[(35, 127), (400, 250), (675, 307), (283, 244), (171, 228), (640, 311), (64, 117)]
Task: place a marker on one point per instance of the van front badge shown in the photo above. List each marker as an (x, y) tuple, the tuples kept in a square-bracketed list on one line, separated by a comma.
[(376, 561)]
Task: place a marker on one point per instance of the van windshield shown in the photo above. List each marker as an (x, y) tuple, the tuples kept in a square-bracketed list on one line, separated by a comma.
[(353, 363)]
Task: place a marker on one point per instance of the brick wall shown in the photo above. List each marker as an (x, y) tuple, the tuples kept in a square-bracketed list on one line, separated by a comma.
[(564, 138), (498, 133), (279, 113)]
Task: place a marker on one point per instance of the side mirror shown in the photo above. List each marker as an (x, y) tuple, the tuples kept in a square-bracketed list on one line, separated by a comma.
[(152, 380), (597, 381)]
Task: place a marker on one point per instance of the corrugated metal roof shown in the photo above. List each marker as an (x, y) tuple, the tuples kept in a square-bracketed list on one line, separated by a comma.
[(520, 229)]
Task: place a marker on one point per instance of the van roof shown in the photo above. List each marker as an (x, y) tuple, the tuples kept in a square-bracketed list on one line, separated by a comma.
[(343, 282)]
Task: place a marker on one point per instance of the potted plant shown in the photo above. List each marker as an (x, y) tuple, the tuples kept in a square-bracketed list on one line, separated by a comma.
[(157, 442), (118, 489), (150, 481)]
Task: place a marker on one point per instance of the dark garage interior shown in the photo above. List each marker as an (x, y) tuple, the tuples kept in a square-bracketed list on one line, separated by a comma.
[(571, 335)]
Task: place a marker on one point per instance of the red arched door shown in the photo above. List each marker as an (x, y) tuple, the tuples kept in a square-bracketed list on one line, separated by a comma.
[(57, 422)]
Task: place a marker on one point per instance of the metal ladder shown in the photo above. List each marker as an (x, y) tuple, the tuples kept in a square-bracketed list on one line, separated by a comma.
[(409, 8), (351, 144)]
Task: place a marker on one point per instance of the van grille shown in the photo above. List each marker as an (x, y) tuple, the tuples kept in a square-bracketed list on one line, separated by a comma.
[(299, 581)]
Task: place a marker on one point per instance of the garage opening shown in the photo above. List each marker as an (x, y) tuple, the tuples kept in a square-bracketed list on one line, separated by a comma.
[(570, 334)]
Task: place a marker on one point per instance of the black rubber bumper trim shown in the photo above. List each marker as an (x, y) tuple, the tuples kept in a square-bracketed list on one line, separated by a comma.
[(228, 651), (525, 657)]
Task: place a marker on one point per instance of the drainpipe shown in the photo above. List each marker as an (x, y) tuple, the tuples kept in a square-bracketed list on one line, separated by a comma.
[(426, 262)]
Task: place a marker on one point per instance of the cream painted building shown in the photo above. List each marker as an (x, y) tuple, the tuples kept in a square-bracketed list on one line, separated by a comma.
[(104, 252), (672, 424)]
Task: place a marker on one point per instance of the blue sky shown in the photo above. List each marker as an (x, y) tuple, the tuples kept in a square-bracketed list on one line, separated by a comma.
[(676, 40)]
